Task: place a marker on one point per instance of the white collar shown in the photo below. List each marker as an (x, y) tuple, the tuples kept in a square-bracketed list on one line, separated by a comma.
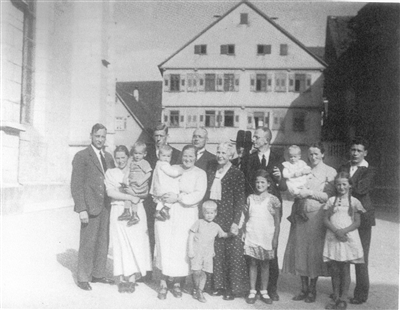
[(363, 163), (96, 150), (266, 154)]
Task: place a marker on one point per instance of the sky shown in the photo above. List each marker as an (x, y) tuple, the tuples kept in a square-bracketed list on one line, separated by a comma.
[(148, 32)]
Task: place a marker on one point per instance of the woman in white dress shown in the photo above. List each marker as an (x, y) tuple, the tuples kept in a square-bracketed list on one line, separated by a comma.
[(172, 236), (130, 245)]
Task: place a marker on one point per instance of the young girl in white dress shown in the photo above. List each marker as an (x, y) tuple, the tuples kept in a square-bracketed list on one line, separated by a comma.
[(261, 219), (342, 241)]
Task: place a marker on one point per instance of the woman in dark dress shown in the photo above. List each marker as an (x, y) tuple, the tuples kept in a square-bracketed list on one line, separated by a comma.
[(226, 187)]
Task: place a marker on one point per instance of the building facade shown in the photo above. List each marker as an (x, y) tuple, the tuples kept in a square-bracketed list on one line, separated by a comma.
[(57, 81), (243, 71)]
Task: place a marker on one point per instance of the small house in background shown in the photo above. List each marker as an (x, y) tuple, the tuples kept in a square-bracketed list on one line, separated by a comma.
[(137, 111), (243, 71), (362, 88)]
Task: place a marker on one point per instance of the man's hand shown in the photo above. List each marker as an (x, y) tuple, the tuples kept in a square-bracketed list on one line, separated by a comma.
[(84, 217), (277, 174)]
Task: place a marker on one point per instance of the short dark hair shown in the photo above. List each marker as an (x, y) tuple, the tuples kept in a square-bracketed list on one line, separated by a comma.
[(264, 174), (361, 141), (121, 148), (162, 127), (318, 145), (188, 147), (267, 131), (97, 127)]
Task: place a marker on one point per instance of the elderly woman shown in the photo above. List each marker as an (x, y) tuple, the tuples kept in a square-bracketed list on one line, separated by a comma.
[(303, 255), (172, 236), (226, 187), (130, 245)]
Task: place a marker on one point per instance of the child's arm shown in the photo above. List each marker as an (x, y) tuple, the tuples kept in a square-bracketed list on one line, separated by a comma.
[(354, 225), (277, 223), (338, 232), (190, 246), (171, 171)]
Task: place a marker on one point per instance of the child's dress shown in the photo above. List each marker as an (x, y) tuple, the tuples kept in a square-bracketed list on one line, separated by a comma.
[(294, 184), (351, 250), (260, 226), (137, 171)]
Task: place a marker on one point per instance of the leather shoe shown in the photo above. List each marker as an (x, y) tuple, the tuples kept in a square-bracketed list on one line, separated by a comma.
[(103, 280), (176, 291), (356, 301), (162, 294), (301, 296), (274, 296), (228, 296), (85, 286)]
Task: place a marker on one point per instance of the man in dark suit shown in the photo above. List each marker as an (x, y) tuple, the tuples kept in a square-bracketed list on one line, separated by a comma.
[(160, 137), (265, 158), (204, 158), (91, 202), (362, 177)]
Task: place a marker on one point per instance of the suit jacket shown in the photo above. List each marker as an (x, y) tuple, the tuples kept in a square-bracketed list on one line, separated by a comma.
[(206, 161), (363, 184), (151, 156), (87, 181), (251, 164)]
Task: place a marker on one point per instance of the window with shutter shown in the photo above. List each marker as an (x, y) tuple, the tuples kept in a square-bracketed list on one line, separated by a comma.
[(263, 49), (228, 49), (258, 119), (229, 118), (210, 120), (175, 82), (261, 82), (174, 119), (280, 81), (283, 50), (210, 82), (229, 80), (200, 49), (244, 18), (300, 83)]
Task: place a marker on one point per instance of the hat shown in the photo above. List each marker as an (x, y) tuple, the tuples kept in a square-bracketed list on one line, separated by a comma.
[(243, 139)]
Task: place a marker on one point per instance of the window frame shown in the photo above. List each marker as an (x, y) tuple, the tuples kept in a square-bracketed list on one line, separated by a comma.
[(175, 83), (200, 49), (174, 119), (264, 49), (228, 49), (210, 116), (229, 82), (230, 116), (283, 50), (244, 19), (209, 83)]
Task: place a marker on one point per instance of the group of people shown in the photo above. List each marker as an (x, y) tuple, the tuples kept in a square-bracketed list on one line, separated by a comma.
[(217, 220)]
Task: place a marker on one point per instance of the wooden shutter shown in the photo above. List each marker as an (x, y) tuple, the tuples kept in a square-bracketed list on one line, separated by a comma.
[(201, 82), (270, 78), (182, 87), (266, 119), (277, 82), (202, 118), (224, 49), (284, 81), (250, 121), (167, 82), (308, 82), (219, 82), (189, 79), (194, 82), (236, 119), (291, 82), (237, 82), (252, 82), (166, 117)]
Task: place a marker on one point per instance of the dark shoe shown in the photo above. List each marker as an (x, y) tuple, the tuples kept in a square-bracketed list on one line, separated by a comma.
[(228, 296), (274, 296), (130, 287), (103, 280), (356, 301), (162, 293), (311, 296), (176, 291), (158, 216), (134, 220), (122, 287), (331, 305), (251, 298), (164, 212), (301, 296), (125, 216), (341, 304), (85, 286), (199, 296)]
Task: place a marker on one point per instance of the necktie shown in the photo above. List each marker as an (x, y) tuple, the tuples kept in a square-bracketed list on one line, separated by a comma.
[(263, 161), (103, 162)]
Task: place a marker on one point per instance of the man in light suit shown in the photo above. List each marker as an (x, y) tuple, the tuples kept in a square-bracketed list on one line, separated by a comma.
[(92, 204), (268, 160), (362, 178), (204, 158)]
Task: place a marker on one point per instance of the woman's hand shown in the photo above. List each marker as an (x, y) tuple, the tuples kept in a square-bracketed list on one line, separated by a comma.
[(234, 229), (304, 193), (170, 198)]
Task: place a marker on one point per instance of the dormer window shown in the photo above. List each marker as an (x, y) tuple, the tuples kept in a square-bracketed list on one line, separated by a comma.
[(263, 49), (200, 49), (244, 18), (228, 49)]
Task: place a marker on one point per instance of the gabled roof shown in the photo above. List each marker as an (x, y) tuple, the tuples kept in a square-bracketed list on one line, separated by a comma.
[(146, 111), (271, 21)]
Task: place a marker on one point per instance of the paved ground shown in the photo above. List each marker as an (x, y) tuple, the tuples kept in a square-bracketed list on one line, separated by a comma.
[(39, 256)]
